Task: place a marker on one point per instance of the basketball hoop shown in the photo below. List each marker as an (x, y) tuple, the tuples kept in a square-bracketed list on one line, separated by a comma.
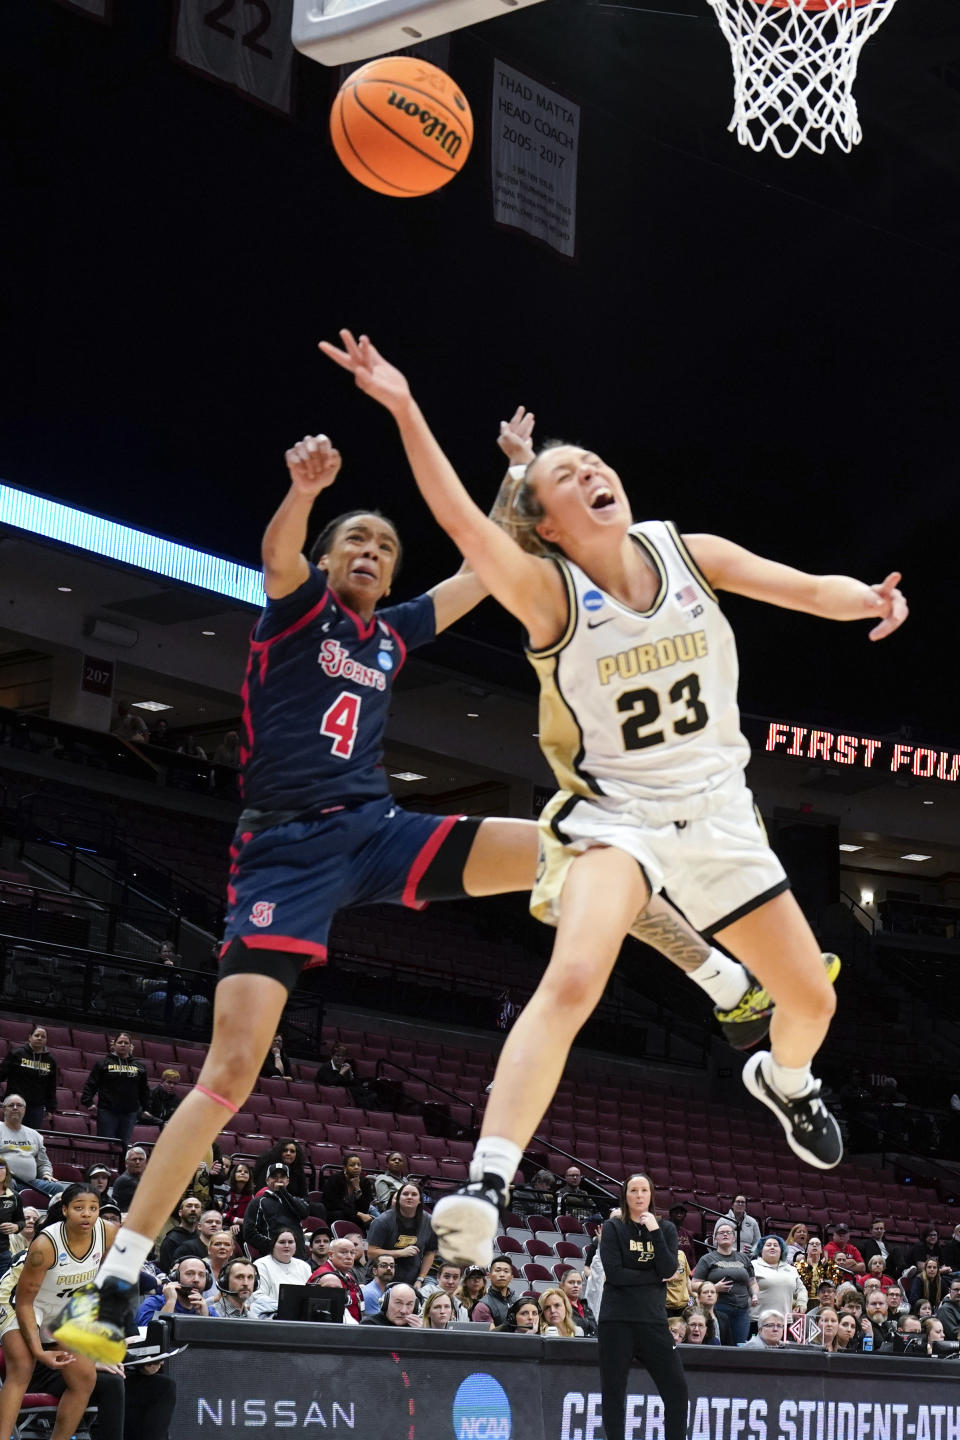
[(794, 67)]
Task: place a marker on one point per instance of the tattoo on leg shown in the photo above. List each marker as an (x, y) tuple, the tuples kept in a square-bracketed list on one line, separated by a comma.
[(675, 939)]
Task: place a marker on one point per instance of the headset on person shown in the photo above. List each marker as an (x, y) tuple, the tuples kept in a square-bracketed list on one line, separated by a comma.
[(385, 1297), (223, 1279), (206, 1265)]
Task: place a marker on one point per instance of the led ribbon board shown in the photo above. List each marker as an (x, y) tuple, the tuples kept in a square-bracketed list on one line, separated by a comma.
[(129, 546), (868, 753)]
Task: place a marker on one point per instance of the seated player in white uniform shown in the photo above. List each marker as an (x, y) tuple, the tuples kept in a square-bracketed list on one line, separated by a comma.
[(638, 717), (64, 1256)]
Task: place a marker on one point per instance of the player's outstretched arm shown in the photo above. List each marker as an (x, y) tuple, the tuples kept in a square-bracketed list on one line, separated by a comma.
[(529, 587), (832, 597), (313, 464), (454, 598)]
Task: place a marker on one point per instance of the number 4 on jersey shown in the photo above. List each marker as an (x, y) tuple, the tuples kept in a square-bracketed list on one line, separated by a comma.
[(340, 723)]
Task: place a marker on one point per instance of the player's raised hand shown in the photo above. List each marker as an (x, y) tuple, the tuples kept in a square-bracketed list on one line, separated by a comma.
[(892, 606), (515, 438), (375, 376), (313, 464)]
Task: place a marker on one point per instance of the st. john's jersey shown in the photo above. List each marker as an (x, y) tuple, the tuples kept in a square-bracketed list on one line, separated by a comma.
[(641, 707), (316, 699)]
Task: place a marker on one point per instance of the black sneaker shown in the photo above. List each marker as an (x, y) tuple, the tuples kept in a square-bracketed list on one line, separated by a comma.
[(811, 1131), (465, 1223), (95, 1322), (748, 1022)]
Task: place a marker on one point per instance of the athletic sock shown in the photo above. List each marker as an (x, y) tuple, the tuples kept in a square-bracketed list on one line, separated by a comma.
[(724, 980), (125, 1257), (495, 1156), (791, 1084)]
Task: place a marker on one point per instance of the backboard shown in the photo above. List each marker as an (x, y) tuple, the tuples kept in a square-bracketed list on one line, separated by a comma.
[(339, 32)]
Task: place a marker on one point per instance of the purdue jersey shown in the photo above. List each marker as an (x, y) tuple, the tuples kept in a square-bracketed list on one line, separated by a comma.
[(67, 1273), (639, 709)]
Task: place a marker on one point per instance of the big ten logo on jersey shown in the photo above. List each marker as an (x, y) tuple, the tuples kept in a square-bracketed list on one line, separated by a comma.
[(335, 661)]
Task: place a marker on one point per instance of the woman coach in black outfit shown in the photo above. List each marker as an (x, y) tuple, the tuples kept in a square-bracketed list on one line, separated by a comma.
[(639, 1254)]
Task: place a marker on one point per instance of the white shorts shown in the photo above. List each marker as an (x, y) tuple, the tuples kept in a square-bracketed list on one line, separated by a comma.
[(716, 869)]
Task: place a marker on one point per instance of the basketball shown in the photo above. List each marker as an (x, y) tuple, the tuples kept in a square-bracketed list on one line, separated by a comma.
[(401, 126)]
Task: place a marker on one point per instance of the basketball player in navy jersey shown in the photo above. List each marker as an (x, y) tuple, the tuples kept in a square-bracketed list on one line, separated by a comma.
[(320, 831)]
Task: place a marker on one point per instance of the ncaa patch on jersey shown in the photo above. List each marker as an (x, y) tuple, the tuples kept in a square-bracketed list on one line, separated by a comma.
[(592, 600), (384, 660), (262, 913)]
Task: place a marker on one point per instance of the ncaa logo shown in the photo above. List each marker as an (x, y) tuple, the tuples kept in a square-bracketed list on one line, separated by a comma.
[(262, 913), (481, 1410), (384, 660), (592, 600)]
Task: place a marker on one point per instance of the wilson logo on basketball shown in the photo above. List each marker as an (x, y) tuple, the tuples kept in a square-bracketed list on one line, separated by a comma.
[(262, 913), (433, 127)]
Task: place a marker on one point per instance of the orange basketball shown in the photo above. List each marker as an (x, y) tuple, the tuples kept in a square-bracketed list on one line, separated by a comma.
[(401, 126)]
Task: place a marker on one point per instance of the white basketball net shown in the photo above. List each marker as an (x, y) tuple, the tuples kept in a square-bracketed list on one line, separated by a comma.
[(794, 70)]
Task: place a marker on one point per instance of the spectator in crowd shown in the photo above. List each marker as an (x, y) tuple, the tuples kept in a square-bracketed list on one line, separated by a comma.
[(897, 1302), (399, 1307), (572, 1287), (908, 1337), (572, 1198), (875, 1244), (11, 1216), (928, 1245), (390, 1179), (228, 751), (289, 1153), (842, 1251), (182, 1294), (240, 1191), (189, 1212), (732, 1273), (126, 1182), (120, 1083), (928, 1284), (31, 1071), (130, 727), (24, 1151), (338, 1070), (826, 1299), (849, 1296), (163, 1097), (769, 1332), (438, 1311), (678, 1287), (816, 1267), (746, 1228), (697, 1328), (499, 1296), (339, 1263), (406, 1233), (272, 1207), (718, 1326), (556, 1314), (677, 1326), (951, 1249), (546, 1182), (31, 1216), (829, 1322), (361, 1267), (448, 1277), (877, 1316), (848, 1332), (780, 1287), (523, 1317), (276, 1066), (97, 1177), (221, 1249), (192, 749), (875, 1271), (280, 1267), (797, 1242), (211, 1223), (471, 1288), (932, 1334), (948, 1311), (160, 735), (384, 1274), (237, 1281), (319, 1246), (348, 1194), (678, 1214)]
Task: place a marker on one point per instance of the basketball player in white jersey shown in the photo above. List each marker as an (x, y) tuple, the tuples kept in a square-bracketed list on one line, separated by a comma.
[(639, 720), (64, 1256)]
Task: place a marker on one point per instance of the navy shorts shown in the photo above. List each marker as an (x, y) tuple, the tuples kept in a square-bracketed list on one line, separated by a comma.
[(288, 881)]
